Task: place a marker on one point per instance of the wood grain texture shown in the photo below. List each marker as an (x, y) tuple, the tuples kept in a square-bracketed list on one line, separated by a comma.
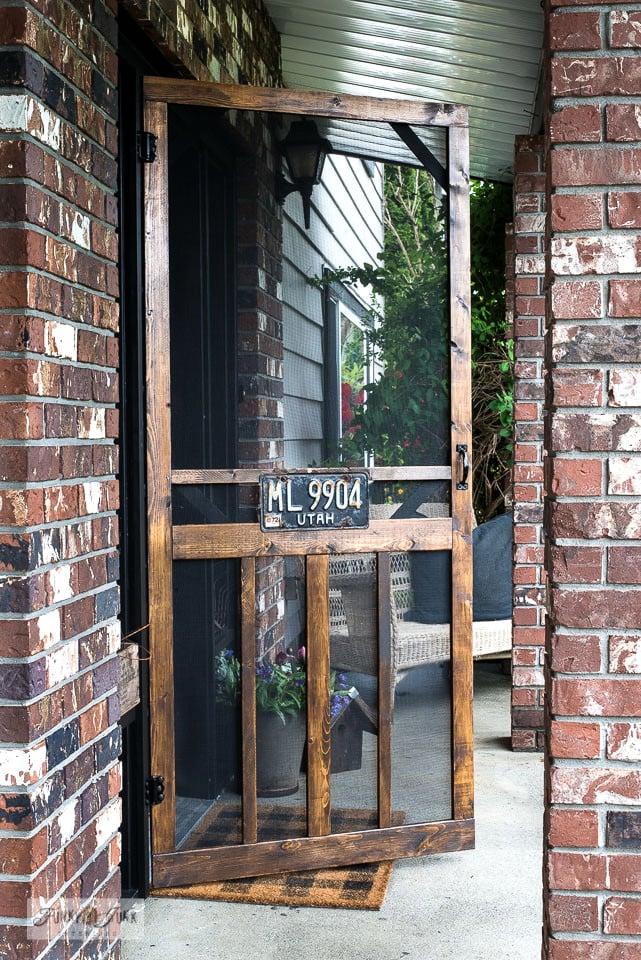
[(161, 672), (461, 386), (228, 540), (229, 96), (252, 476), (318, 730), (248, 697), (308, 853), (385, 691)]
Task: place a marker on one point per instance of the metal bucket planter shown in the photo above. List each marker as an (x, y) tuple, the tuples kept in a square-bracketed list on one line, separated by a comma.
[(279, 753)]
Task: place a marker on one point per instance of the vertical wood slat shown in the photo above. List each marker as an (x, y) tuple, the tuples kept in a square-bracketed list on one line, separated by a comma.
[(318, 717), (385, 692), (161, 685), (248, 698), (460, 335)]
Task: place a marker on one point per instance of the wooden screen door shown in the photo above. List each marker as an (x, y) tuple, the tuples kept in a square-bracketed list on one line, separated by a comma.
[(383, 766)]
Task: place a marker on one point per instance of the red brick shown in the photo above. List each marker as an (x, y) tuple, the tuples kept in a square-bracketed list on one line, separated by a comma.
[(622, 915), (625, 654), (577, 387), (576, 124), (595, 784), (524, 656), (575, 31), (576, 477), (622, 122), (625, 872), (624, 564), (624, 742), (625, 298), (576, 564), (625, 29), (577, 299), (576, 654), (573, 914), (595, 76), (603, 697), (624, 209), (577, 212), (580, 167), (575, 741), (528, 636), (573, 828), (592, 949), (577, 871)]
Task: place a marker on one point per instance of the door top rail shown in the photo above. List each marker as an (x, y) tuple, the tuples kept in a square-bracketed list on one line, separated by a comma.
[(253, 474), (343, 106)]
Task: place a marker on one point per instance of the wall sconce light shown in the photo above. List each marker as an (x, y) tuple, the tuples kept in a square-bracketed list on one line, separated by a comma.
[(304, 151)]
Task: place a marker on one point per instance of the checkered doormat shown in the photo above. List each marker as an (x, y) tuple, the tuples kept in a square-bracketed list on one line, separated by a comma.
[(361, 887)]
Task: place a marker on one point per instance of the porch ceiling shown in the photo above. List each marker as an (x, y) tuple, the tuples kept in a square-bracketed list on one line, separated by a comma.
[(484, 54)]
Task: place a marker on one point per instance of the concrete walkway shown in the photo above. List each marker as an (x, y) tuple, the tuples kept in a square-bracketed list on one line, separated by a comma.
[(482, 904)]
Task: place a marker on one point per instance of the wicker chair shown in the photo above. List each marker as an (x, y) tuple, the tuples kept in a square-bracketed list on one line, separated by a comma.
[(353, 621)]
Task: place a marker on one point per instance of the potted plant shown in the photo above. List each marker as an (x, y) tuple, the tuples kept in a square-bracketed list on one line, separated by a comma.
[(280, 713)]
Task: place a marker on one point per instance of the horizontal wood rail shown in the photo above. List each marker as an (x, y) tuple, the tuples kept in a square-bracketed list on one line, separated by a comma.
[(340, 106), (252, 475), (307, 853), (231, 540)]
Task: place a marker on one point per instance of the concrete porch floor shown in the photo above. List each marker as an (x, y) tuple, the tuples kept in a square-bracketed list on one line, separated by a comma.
[(482, 904)]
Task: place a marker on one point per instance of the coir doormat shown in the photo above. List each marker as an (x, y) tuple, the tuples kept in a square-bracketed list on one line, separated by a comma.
[(361, 887)]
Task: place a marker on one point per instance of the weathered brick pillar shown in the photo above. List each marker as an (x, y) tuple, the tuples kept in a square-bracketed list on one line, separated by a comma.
[(529, 321), (59, 769), (592, 871)]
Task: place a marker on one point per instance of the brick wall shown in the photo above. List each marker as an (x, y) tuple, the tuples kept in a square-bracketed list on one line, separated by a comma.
[(59, 630), (529, 321), (60, 780), (592, 873)]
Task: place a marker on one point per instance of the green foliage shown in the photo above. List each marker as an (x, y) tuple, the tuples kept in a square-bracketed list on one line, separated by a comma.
[(405, 419), (492, 351)]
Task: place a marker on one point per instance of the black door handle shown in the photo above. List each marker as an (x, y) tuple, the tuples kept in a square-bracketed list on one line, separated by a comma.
[(461, 449)]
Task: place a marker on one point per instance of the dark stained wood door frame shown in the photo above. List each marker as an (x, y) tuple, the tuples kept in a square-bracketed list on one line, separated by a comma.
[(247, 542)]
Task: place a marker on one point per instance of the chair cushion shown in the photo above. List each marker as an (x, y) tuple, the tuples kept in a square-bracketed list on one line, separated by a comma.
[(431, 585), (492, 543), (431, 576)]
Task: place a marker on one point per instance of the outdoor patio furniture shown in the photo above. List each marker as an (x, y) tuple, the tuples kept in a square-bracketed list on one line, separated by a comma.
[(353, 633)]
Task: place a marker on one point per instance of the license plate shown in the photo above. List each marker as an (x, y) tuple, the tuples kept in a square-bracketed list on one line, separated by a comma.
[(310, 501)]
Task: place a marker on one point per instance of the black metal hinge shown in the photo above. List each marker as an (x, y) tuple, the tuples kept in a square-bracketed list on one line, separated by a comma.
[(147, 146), (154, 791)]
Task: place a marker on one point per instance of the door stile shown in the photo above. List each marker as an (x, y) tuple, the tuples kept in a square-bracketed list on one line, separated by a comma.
[(385, 692), (461, 387), (318, 717), (248, 697), (161, 665)]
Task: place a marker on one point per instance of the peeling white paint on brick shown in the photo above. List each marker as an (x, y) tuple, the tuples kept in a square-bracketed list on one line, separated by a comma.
[(92, 493), (61, 340), (66, 822), (625, 388), (624, 475), (114, 636), (78, 229), (48, 552), (49, 628), (43, 124), (108, 823), (61, 664), (579, 255), (19, 766), (13, 112), (628, 748), (60, 580), (94, 427)]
